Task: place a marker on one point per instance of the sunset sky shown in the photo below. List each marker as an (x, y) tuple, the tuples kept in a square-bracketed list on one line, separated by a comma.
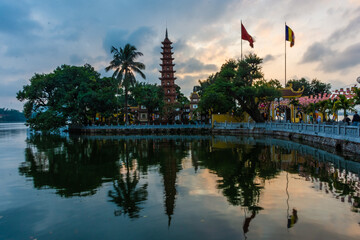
[(36, 36)]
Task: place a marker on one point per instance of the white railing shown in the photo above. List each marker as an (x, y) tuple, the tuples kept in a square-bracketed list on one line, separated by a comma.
[(337, 130)]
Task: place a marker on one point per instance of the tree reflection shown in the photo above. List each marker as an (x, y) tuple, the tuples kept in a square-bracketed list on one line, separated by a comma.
[(242, 170), (73, 166), (78, 166), (127, 196), (340, 182)]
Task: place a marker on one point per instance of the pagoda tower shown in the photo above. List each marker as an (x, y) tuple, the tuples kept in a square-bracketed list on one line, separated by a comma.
[(167, 71)]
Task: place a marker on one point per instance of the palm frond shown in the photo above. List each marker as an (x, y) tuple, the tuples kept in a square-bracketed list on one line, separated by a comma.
[(138, 71)]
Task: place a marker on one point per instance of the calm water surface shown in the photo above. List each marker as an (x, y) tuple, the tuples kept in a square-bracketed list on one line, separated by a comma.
[(175, 187)]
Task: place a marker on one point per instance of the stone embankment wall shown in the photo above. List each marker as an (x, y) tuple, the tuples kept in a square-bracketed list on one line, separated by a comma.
[(338, 144), (337, 137), (141, 131)]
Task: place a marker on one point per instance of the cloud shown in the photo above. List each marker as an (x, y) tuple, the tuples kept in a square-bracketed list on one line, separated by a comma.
[(347, 32), (76, 59), (115, 37), (340, 61), (15, 18), (38, 36), (187, 82), (335, 60), (316, 52), (9, 89), (332, 61), (120, 37), (268, 58), (194, 65)]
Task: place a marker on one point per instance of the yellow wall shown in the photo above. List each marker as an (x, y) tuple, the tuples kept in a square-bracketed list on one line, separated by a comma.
[(221, 118)]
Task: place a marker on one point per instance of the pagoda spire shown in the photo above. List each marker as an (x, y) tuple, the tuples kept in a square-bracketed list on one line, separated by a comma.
[(167, 71)]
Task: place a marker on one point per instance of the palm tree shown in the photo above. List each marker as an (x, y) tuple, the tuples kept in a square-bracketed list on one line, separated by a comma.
[(330, 106), (343, 103), (356, 96), (322, 107), (310, 110), (125, 66)]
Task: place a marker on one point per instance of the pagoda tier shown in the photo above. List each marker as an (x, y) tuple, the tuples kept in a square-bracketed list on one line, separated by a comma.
[(166, 41), (167, 53), (167, 71), (167, 64)]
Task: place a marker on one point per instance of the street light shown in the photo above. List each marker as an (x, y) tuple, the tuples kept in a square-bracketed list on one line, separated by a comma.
[(117, 107)]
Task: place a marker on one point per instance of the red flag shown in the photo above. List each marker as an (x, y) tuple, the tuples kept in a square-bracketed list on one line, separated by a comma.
[(246, 36)]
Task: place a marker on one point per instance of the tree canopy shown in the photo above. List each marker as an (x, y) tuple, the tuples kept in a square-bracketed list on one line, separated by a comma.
[(239, 86), (69, 95), (149, 95), (11, 115), (314, 87), (125, 68)]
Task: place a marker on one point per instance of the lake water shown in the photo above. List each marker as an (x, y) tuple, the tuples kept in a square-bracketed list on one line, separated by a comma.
[(173, 187)]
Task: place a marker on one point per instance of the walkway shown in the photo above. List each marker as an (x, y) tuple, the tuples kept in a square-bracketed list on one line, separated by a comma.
[(336, 131)]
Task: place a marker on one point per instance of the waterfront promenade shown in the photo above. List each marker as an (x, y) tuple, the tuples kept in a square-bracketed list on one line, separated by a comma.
[(336, 135), (147, 128)]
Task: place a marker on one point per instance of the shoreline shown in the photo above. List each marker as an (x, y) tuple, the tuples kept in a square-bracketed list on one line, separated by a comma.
[(335, 145)]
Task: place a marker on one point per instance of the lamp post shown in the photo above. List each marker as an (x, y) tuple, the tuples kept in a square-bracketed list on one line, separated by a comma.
[(117, 108), (280, 99)]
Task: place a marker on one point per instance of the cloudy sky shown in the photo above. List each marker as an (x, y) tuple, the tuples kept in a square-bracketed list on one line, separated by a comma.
[(36, 36)]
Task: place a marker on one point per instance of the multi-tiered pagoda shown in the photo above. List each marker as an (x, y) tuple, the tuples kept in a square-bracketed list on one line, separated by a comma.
[(167, 71)]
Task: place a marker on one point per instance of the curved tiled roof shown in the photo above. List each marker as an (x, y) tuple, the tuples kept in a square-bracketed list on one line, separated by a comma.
[(289, 92)]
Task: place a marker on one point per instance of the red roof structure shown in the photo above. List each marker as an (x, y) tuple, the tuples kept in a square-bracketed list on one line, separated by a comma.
[(167, 71)]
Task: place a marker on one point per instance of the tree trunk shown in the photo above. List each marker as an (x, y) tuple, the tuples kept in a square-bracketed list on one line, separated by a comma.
[(252, 109), (255, 115), (126, 105)]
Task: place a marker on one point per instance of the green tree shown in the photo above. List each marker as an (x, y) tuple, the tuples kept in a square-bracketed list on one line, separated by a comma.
[(125, 66), (11, 115), (318, 87), (356, 96), (181, 98), (206, 83), (249, 87), (242, 82), (216, 97), (149, 95), (330, 106), (314, 87), (69, 95), (274, 83), (343, 103), (309, 109), (322, 107)]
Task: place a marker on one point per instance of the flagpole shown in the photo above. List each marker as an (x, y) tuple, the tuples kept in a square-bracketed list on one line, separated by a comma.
[(241, 41), (285, 54)]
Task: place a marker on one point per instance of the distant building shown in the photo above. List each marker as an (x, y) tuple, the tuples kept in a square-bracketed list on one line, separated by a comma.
[(194, 105)]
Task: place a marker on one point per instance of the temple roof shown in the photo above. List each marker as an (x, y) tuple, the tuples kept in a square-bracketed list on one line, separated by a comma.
[(289, 92), (194, 95), (166, 40)]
